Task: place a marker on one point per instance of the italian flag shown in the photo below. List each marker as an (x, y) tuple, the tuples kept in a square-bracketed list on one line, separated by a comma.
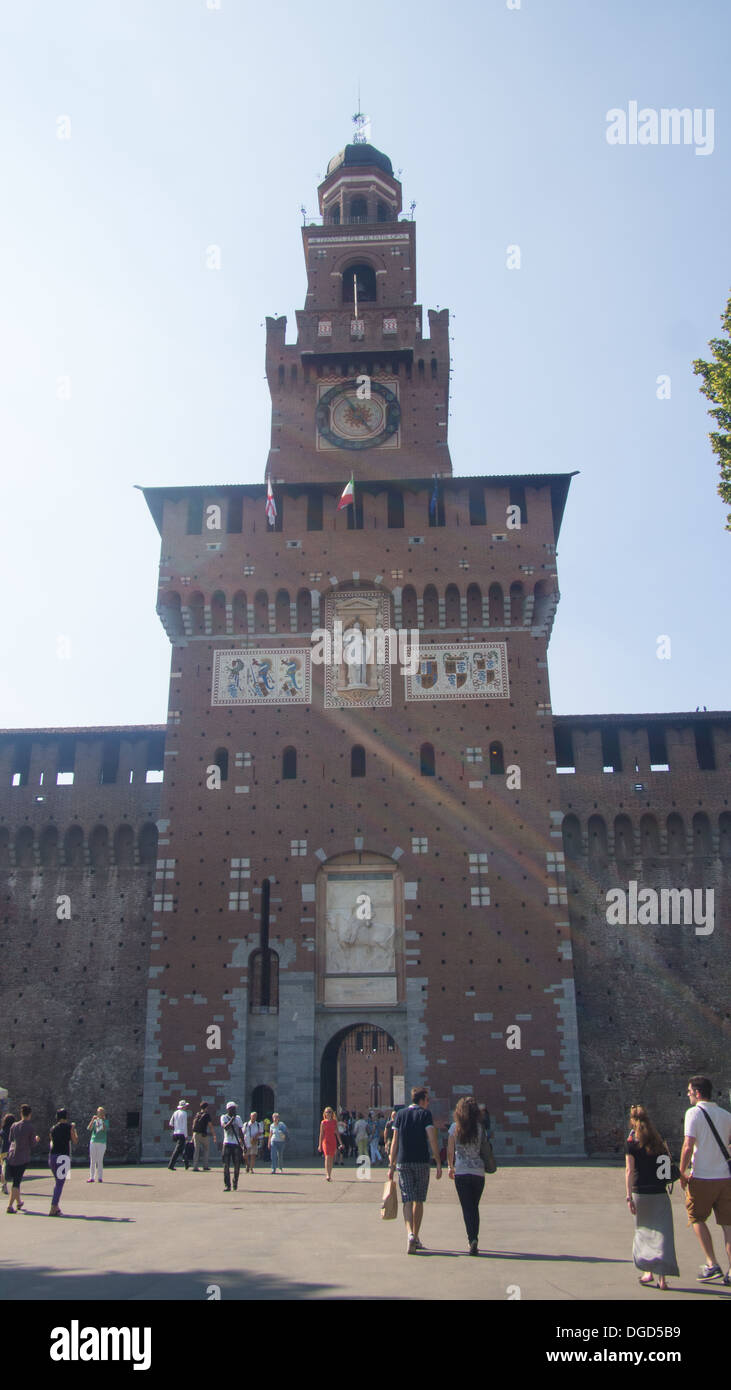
[(348, 494)]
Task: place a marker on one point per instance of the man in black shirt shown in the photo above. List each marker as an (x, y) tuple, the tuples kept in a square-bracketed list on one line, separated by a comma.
[(413, 1136)]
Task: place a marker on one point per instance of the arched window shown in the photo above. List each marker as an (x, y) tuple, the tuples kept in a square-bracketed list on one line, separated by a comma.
[(147, 844), (49, 847), (304, 611), (543, 597), (281, 611), (4, 847), (497, 762), (598, 845), (334, 215), (289, 765), (171, 615), (702, 843), (676, 836), (218, 613), (571, 831), (496, 607), (365, 277), (395, 511), (649, 838), (451, 606), (517, 603), (73, 848), (383, 212), (281, 373), (239, 612), (357, 761), (623, 838), (124, 847), (426, 760), (261, 611), (474, 605), (358, 210), (220, 760), (724, 834), (431, 607), (195, 612), (409, 611), (99, 847), (24, 856)]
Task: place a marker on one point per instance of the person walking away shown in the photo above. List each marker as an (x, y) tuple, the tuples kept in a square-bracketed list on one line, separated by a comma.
[(360, 1135), (62, 1136), (466, 1166), (653, 1249), (277, 1136), (253, 1131), (233, 1143), (203, 1132), (705, 1171), (178, 1123), (99, 1126), (414, 1136), (343, 1137), (22, 1140), (7, 1124), (328, 1142)]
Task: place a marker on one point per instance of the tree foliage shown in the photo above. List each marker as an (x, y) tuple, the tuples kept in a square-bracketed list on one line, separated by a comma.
[(717, 387)]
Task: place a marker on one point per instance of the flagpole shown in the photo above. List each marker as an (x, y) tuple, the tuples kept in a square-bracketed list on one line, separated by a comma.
[(355, 295)]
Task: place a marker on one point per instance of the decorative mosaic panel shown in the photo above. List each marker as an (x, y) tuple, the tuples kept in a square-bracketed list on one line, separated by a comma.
[(280, 676), (460, 671)]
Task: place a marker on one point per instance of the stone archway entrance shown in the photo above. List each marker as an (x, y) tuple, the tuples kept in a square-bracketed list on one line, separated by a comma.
[(362, 1068)]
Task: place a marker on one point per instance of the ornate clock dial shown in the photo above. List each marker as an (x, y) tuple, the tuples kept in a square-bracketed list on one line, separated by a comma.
[(347, 422)]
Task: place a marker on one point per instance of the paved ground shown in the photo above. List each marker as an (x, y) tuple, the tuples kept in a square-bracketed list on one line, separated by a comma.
[(547, 1233)]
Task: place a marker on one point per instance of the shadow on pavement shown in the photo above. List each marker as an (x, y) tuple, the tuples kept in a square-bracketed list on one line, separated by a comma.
[(198, 1286)]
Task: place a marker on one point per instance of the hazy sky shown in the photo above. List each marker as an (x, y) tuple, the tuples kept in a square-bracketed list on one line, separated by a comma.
[(126, 361)]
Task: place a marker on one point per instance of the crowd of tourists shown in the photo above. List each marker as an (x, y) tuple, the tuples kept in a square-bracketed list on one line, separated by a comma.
[(407, 1143)]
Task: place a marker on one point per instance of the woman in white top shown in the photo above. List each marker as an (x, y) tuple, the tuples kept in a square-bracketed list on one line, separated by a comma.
[(466, 1168)]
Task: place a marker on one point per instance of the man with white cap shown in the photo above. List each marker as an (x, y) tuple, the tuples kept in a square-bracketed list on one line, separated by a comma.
[(232, 1126), (178, 1123)]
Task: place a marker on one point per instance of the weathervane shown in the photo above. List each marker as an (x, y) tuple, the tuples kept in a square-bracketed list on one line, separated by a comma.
[(362, 127)]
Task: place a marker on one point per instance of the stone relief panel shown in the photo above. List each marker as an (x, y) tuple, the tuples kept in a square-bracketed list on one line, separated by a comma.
[(359, 937)]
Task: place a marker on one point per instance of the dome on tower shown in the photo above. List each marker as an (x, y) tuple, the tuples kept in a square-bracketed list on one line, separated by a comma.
[(354, 155)]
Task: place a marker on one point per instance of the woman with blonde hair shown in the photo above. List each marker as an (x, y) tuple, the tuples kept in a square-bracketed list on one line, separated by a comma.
[(647, 1172), (329, 1140)]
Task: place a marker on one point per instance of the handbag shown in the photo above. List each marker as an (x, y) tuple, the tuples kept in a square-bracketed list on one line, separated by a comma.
[(718, 1139), (389, 1200), (486, 1153)]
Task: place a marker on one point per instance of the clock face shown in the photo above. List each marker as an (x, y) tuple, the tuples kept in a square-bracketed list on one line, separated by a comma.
[(348, 422)]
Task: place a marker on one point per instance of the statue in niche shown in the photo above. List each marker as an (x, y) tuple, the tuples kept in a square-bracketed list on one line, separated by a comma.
[(355, 654)]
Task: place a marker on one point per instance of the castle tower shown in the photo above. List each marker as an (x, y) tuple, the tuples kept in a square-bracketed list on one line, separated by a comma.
[(360, 874)]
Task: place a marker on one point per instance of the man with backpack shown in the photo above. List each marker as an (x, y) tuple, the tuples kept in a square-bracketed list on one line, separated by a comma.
[(707, 1183), (233, 1143), (203, 1132)]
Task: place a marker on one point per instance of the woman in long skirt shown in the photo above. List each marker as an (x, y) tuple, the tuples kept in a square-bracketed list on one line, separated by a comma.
[(647, 1172)]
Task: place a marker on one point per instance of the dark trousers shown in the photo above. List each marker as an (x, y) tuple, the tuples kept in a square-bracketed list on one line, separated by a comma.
[(470, 1188), (231, 1154), (180, 1142)]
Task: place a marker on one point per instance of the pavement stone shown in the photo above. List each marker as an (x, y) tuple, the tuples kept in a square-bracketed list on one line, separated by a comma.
[(548, 1233)]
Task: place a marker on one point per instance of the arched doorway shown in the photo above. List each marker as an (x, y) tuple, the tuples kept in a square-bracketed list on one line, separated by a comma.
[(362, 1068), (262, 1101)]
